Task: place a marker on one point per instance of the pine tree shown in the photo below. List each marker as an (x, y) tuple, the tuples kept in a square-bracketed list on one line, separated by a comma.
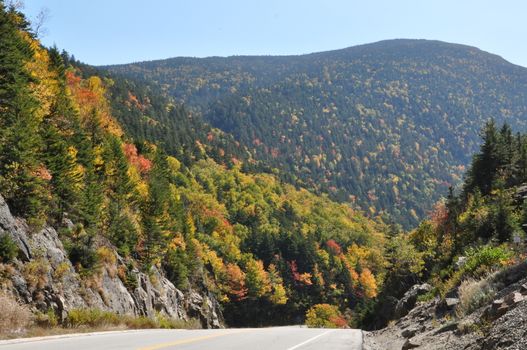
[(66, 178), (520, 168), (121, 194), (22, 176), (155, 207), (485, 163), (90, 206)]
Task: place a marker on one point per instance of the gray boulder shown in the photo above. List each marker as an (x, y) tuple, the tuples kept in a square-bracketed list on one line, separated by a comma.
[(408, 301)]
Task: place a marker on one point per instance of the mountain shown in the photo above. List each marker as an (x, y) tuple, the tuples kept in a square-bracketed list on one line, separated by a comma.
[(118, 205), (388, 126)]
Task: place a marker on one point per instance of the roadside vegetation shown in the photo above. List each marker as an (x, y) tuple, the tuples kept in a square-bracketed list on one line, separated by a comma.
[(18, 321), (469, 235)]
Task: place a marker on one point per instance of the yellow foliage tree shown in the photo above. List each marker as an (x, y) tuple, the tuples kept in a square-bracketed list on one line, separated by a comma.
[(278, 294), (257, 279), (368, 284)]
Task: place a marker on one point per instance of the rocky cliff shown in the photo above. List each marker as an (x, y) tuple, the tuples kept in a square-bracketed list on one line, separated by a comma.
[(43, 277)]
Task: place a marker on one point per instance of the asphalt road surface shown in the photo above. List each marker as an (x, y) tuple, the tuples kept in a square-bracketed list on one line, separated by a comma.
[(276, 338)]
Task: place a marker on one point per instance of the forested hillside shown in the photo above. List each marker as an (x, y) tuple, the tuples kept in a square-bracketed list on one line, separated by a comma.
[(147, 115), (388, 125), (470, 235), (78, 153)]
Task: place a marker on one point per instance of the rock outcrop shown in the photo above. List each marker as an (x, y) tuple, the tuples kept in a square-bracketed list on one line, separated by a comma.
[(497, 324), (44, 278), (409, 299)]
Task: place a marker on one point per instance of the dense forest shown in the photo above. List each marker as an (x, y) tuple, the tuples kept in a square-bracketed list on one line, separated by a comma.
[(147, 115), (78, 152), (387, 126)]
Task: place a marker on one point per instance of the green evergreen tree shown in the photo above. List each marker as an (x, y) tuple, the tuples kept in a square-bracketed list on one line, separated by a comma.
[(22, 176), (155, 207), (485, 164)]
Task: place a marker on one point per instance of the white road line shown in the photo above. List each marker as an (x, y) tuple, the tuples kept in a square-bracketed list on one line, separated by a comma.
[(310, 340)]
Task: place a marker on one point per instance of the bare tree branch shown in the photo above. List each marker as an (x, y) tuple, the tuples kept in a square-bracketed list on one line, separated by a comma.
[(39, 22)]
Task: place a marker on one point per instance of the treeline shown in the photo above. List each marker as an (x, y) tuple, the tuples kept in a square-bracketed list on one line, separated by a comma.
[(267, 250)]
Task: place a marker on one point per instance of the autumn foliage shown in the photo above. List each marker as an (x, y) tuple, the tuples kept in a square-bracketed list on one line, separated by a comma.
[(142, 164), (325, 316)]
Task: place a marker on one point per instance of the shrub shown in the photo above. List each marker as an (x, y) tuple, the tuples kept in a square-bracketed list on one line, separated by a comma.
[(483, 259), (61, 271), (15, 318), (140, 322), (325, 316), (36, 273), (473, 294), (78, 244), (480, 262), (164, 321), (82, 256), (107, 257), (8, 249), (46, 320), (127, 276), (92, 318), (6, 271)]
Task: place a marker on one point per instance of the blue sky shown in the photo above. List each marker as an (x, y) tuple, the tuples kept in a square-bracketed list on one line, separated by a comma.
[(120, 31)]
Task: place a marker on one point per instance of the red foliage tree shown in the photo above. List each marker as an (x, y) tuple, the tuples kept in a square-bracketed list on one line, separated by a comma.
[(333, 247), (142, 164)]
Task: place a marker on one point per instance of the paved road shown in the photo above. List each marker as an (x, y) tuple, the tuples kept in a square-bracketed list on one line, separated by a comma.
[(276, 338)]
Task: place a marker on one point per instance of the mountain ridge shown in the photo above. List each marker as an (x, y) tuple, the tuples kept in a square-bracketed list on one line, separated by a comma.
[(370, 45), (420, 101)]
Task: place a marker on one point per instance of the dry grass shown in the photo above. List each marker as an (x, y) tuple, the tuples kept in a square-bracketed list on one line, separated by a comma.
[(107, 258), (95, 318), (17, 321), (15, 318), (473, 294)]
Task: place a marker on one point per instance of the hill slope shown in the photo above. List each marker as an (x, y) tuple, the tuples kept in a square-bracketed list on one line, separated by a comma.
[(94, 214), (389, 125)]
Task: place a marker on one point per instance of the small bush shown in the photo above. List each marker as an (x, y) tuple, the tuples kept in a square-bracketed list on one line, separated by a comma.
[(36, 273), (165, 322), (6, 271), (92, 318), (107, 257), (128, 277), (61, 271), (325, 316), (8, 249), (427, 296), (473, 294), (78, 244), (482, 260), (140, 322), (46, 320), (15, 318), (467, 326)]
